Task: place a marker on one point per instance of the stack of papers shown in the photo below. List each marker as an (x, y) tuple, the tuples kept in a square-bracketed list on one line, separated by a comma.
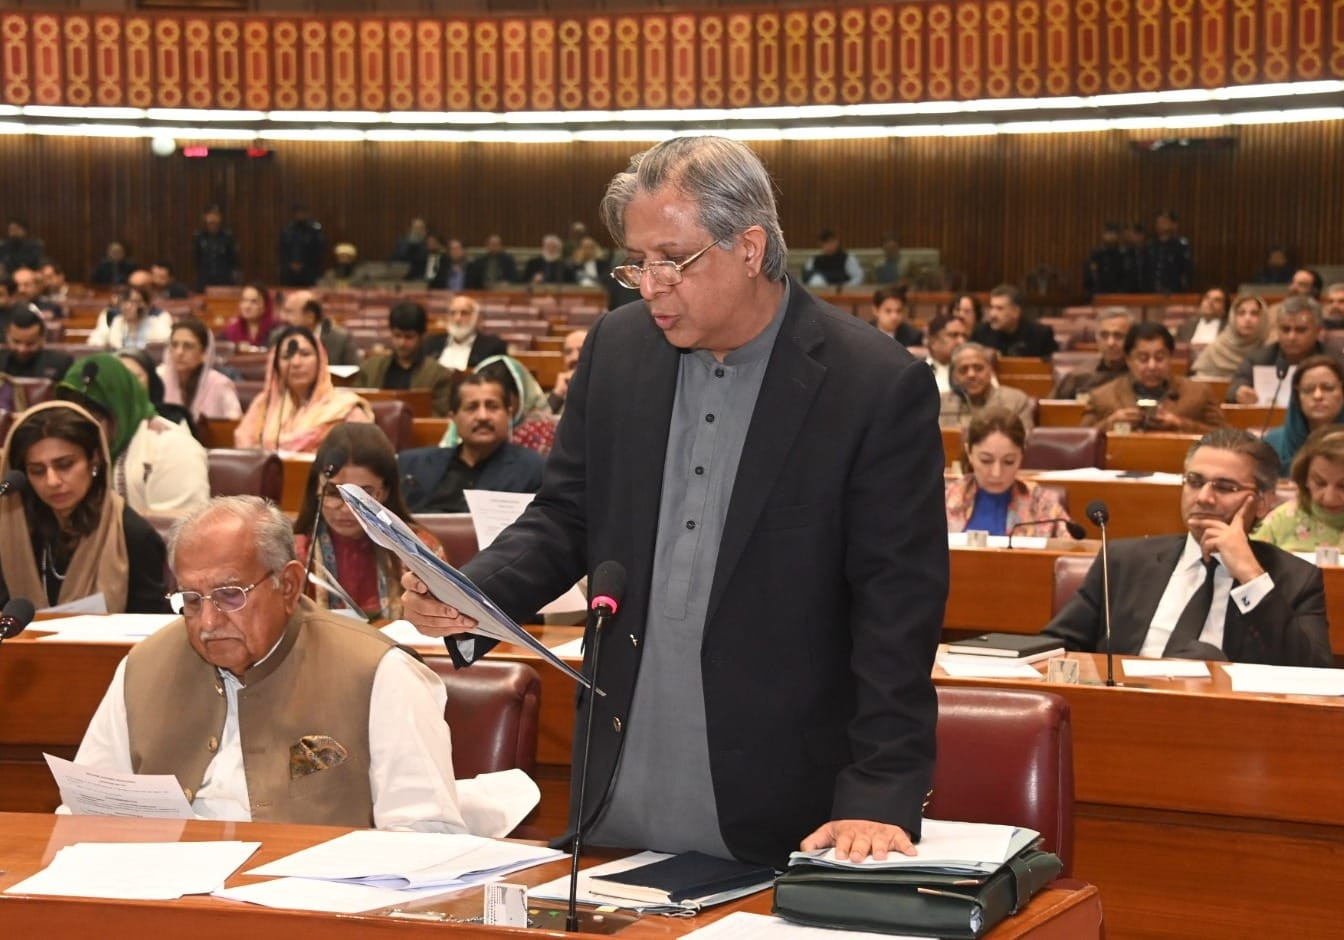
[(987, 667), (1284, 680), (949, 847), (104, 628), (368, 869), (744, 925), (139, 871)]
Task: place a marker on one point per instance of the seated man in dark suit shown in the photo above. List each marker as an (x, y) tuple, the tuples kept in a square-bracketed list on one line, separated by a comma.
[(23, 354), (302, 308), (463, 346), (1297, 323), (551, 266), (407, 366), (434, 478), (1211, 593), (1111, 328), (1008, 331), (496, 266)]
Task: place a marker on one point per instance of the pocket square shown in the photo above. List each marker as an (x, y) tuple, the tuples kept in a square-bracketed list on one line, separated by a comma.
[(315, 752)]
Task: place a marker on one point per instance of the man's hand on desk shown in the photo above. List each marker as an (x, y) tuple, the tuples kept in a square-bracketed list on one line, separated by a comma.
[(859, 838), (431, 616)]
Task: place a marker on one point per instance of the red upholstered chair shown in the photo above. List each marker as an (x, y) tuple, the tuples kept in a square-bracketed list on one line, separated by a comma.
[(492, 713), (1069, 573), (1006, 756), (243, 472), (1064, 448), (395, 418), (455, 532)]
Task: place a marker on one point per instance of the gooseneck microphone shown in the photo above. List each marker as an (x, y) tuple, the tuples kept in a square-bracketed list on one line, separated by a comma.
[(605, 591), (88, 374), (16, 616), (14, 482), (336, 460), (1100, 515), (1280, 370), (1073, 528)]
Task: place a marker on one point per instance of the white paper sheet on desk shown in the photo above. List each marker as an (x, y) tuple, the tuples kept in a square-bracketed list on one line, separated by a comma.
[(342, 371), (408, 859), (958, 540), (443, 580), (89, 792), (744, 925), (1093, 474), (90, 604), (1266, 381), (1165, 668), (94, 628), (987, 667), (491, 513), (570, 649), (944, 845), (1284, 680), (144, 871), (336, 897)]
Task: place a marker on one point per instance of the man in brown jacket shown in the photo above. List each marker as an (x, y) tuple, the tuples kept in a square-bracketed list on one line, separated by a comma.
[(1149, 397), (407, 366)]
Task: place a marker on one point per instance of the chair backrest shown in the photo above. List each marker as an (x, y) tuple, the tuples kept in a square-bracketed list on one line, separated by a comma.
[(455, 532), (395, 418), (1006, 756), (492, 714), (1069, 573), (242, 472), (35, 389), (1064, 448)]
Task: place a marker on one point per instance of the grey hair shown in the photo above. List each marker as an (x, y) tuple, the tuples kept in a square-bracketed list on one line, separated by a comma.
[(1331, 288), (1240, 441), (1292, 306), (991, 356), (1115, 313), (272, 530), (725, 179)]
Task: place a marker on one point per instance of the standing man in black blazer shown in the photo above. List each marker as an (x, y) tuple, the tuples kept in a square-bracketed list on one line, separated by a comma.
[(767, 469), (1264, 606)]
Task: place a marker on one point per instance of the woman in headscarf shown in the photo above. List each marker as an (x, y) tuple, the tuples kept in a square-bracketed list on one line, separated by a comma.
[(255, 320), (143, 370), (157, 466), (532, 424), (1244, 332), (1317, 401), (371, 575), (67, 534), (299, 405), (190, 378)]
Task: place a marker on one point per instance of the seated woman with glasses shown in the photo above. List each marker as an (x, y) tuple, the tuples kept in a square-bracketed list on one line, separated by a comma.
[(370, 574), (190, 379), (299, 405), (991, 498), (1316, 516), (67, 535), (1317, 401)]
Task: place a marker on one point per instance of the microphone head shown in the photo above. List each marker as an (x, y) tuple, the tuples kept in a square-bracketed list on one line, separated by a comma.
[(291, 348), (89, 373), (607, 586), (14, 480), (1075, 529), (1098, 513), (336, 459), (1280, 370), (18, 613)]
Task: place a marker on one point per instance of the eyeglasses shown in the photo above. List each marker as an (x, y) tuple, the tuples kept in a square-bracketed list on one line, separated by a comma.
[(664, 273), (1221, 485), (228, 599)]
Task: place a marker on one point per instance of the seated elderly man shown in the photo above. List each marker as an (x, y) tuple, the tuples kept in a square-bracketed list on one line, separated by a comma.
[(265, 707), (1149, 396), (973, 390), (1212, 593), (1112, 327)]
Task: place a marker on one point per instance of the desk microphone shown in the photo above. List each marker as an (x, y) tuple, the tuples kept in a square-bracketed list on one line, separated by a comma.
[(88, 374), (1100, 515), (1281, 370), (1073, 528), (336, 459), (605, 591), (14, 482), (18, 613)]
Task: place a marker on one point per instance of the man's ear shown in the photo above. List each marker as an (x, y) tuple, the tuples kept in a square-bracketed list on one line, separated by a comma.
[(291, 583), (753, 245)]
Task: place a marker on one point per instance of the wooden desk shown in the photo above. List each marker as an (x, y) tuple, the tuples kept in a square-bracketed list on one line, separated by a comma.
[(1066, 910), (416, 399), (1059, 413), (297, 467), (1138, 506), (1155, 451)]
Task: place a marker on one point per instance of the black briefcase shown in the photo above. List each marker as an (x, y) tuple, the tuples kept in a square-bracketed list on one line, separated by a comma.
[(910, 901)]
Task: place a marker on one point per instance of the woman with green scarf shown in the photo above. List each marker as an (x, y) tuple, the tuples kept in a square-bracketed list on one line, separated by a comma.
[(158, 467)]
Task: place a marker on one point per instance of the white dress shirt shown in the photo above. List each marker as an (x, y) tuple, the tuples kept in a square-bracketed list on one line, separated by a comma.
[(455, 354), (410, 752), (942, 374), (1186, 579)]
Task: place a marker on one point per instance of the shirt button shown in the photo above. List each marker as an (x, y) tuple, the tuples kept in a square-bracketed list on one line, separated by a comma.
[(709, 418), (718, 373), (212, 745), (634, 640), (699, 471), (690, 523), (616, 724)]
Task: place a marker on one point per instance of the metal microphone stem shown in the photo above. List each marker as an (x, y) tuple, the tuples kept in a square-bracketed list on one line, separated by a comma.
[(1106, 603), (572, 920)]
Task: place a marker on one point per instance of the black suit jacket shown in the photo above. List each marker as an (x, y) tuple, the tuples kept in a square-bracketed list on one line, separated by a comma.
[(485, 346), (1031, 339), (1287, 628), (476, 270), (1264, 356), (828, 598)]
